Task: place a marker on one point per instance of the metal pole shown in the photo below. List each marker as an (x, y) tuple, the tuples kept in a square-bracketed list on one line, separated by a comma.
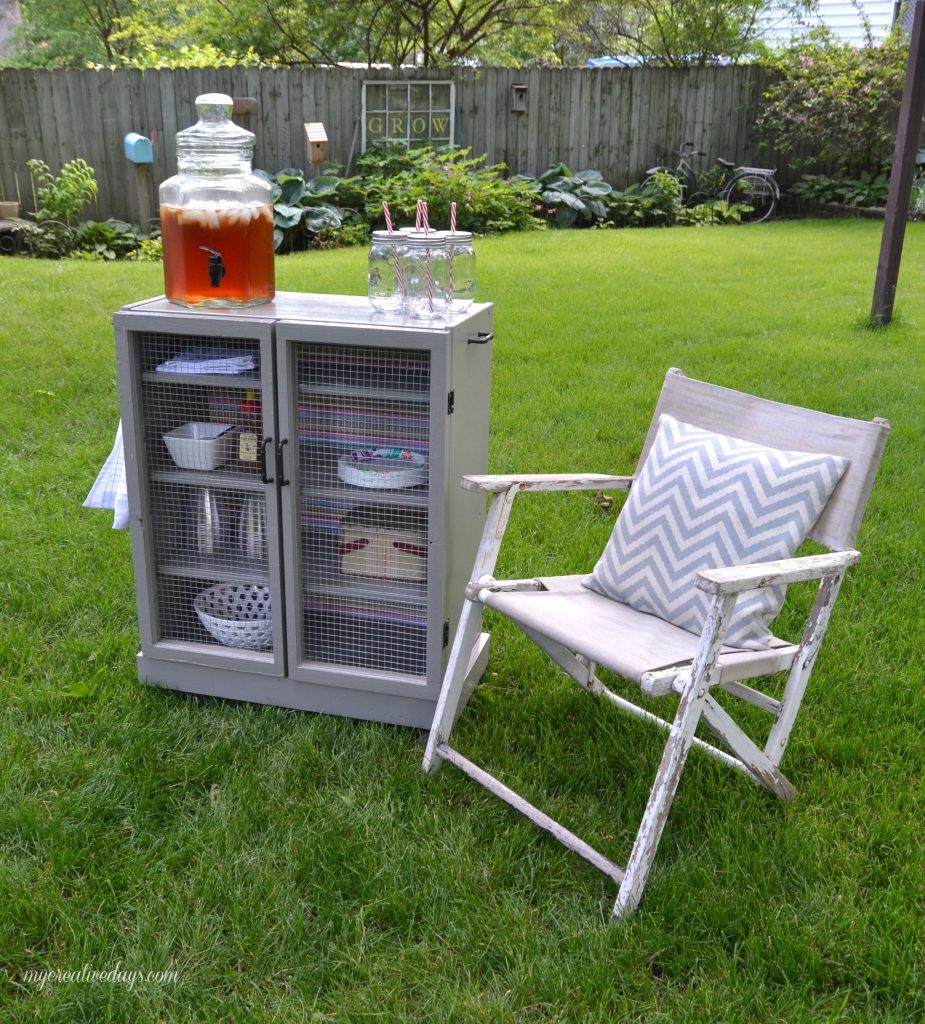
[(897, 206)]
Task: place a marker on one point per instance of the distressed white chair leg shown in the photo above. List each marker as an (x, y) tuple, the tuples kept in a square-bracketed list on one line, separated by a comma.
[(467, 632), (802, 666), (470, 625), (681, 739), (759, 766)]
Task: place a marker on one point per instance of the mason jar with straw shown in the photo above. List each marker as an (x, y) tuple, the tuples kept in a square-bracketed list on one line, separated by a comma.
[(385, 284), (386, 288), (460, 287), (425, 266)]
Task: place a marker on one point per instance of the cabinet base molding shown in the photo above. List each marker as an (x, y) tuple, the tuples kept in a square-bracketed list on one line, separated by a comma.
[(302, 696)]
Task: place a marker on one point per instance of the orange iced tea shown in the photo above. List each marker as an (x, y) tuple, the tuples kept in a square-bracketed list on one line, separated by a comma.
[(218, 255)]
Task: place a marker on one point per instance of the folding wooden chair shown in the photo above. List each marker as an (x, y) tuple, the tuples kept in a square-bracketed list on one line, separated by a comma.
[(581, 629)]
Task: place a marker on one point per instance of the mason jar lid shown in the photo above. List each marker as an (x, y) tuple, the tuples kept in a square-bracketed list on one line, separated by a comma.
[(381, 237), (458, 237), (428, 240), (215, 132)]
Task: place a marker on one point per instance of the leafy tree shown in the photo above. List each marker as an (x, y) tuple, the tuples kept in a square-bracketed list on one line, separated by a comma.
[(835, 102), (679, 33), (71, 33), (429, 32), (169, 32)]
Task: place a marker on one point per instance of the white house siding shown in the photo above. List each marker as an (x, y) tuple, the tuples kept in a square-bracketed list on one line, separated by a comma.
[(841, 17)]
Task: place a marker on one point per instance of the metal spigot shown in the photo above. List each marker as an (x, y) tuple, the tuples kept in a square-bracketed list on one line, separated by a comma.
[(216, 265)]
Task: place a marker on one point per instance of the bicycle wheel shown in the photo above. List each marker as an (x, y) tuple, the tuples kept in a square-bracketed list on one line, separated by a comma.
[(755, 191)]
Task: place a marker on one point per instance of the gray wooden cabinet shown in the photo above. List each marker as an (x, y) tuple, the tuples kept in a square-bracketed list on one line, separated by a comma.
[(348, 571)]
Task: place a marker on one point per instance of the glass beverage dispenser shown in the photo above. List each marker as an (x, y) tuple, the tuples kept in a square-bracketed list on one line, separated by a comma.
[(216, 216)]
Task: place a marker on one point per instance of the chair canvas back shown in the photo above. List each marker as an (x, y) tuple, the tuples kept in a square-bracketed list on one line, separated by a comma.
[(789, 427)]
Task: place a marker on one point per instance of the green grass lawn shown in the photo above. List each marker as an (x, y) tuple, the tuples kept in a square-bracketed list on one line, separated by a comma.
[(299, 868)]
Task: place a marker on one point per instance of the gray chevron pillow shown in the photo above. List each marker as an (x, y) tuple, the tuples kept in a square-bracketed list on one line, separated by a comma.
[(705, 500)]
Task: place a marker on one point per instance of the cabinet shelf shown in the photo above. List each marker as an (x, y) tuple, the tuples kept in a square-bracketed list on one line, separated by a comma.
[(383, 394), (208, 478), (217, 570), (368, 588), (325, 484), (208, 380)]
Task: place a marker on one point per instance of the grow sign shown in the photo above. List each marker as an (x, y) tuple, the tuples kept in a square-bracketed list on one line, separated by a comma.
[(413, 113)]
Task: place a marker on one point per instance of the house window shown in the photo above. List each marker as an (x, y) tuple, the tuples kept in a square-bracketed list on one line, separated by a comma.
[(412, 113)]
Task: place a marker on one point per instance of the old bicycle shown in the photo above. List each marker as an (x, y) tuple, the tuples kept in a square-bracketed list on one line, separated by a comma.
[(755, 188)]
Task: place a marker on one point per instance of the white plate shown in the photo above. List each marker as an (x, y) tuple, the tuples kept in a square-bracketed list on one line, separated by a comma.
[(383, 468)]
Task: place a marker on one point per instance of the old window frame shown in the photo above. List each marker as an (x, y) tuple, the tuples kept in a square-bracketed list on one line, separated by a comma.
[(389, 112)]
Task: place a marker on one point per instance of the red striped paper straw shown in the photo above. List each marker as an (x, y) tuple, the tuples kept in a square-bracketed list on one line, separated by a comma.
[(428, 274), (450, 284), (417, 217), (395, 260), (429, 281)]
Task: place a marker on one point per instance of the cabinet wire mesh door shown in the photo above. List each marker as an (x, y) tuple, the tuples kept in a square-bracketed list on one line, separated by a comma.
[(202, 428), (364, 491)]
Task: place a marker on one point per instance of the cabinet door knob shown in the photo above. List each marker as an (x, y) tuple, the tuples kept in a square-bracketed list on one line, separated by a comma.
[(283, 482), (264, 444)]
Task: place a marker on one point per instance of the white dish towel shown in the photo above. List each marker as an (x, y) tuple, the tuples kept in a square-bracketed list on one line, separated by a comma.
[(109, 490)]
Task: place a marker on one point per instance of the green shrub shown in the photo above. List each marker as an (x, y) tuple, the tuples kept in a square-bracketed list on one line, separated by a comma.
[(865, 190), (661, 198), (386, 159), (348, 234), (150, 250), (299, 209), (485, 201), (569, 198), (91, 240), (917, 199), (836, 102), (61, 197), (716, 211), (50, 239), (107, 239), (626, 209)]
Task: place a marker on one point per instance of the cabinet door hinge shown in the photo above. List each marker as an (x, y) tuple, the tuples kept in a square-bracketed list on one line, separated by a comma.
[(450, 403), (446, 632)]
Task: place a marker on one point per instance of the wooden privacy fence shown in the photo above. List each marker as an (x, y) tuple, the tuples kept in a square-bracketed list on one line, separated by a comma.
[(615, 120)]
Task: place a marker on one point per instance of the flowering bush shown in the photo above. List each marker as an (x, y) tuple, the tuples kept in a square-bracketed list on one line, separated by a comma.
[(835, 102)]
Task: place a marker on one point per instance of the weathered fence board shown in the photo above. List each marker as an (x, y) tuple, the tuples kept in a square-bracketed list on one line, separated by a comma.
[(615, 120)]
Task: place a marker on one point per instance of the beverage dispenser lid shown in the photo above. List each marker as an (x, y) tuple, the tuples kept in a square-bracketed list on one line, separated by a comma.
[(214, 132)]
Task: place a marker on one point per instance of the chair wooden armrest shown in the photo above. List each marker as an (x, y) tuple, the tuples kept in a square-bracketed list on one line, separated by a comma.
[(494, 484), (735, 579)]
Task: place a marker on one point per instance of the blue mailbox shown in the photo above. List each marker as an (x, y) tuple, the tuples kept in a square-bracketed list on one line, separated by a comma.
[(138, 148)]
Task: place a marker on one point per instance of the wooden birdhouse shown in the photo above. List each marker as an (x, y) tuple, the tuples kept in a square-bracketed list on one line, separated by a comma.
[(519, 98), (244, 112), (316, 142)]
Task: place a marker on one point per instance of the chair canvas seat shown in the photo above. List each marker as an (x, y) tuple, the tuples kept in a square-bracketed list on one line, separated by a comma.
[(619, 638)]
